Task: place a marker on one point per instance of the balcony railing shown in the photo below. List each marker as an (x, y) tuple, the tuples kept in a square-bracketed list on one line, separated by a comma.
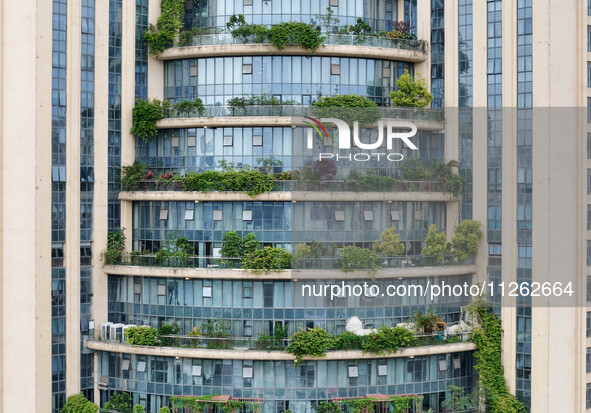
[(251, 343), (325, 186), (411, 114), (330, 39), (319, 263)]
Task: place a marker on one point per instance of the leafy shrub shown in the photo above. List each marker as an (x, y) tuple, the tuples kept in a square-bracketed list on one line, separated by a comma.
[(355, 258), (189, 107), (389, 245), (388, 340), (455, 185), (413, 170), (412, 92), (349, 108), (120, 402), (138, 408), (79, 404), (272, 341), (164, 409), (313, 342), (435, 244), (466, 237), (133, 176), (141, 336), (253, 182), (360, 29), (115, 247), (168, 330), (401, 31), (168, 25), (328, 407), (145, 114), (348, 341), (250, 244), (232, 245), (428, 323), (267, 259), (219, 329)]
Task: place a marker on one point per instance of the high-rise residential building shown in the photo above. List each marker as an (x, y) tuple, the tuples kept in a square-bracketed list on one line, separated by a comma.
[(257, 155)]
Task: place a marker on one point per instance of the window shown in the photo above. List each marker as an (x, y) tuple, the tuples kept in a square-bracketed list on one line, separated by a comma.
[(207, 292), (339, 215), (588, 110), (457, 363), (386, 72), (189, 214), (248, 2), (247, 215), (174, 142), (589, 217), (588, 181), (589, 396), (228, 140), (353, 371), (191, 141), (382, 370), (247, 69), (125, 364), (588, 289), (257, 140), (335, 69), (588, 74), (588, 252), (247, 372), (163, 214), (368, 215), (218, 215), (495, 249), (588, 323), (589, 146), (196, 371), (141, 366), (334, 3)]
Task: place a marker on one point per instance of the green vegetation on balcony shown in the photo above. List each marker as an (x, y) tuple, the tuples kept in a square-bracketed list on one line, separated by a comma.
[(412, 92), (167, 28), (279, 35), (349, 108), (79, 404)]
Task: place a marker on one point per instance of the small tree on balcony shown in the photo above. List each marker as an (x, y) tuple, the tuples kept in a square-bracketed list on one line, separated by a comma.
[(412, 92), (435, 244), (232, 245), (466, 238), (389, 245)]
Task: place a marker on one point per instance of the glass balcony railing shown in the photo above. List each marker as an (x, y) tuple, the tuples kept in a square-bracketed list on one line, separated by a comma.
[(456, 335), (410, 114), (325, 186), (330, 39), (316, 263)]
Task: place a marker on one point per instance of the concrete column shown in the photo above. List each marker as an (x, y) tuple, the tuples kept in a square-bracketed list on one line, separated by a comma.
[(155, 67), (424, 33)]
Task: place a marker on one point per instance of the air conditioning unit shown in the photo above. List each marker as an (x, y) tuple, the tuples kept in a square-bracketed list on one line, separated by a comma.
[(106, 331)]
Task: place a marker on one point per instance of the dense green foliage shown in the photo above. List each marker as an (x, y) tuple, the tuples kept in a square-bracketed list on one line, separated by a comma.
[(349, 108), (273, 341), (168, 330), (458, 402), (141, 336), (252, 181), (413, 170), (168, 26), (120, 402), (115, 247), (313, 342), (355, 258), (164, 409), (138, 408), (388, 340), (232, 245), (241, 102), (250, 244), (389, 245), (189, 107), (401, 30), (412, 92), (145, 114), (279, 35), (79, 404), (267, 259), (489, 365), (133, 176), (435, 243), (466, 237), (218, 329), (175, 251), (428, 323)]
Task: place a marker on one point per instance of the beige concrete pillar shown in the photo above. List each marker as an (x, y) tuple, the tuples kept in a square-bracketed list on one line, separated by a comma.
[(155, 67), (424, 33)]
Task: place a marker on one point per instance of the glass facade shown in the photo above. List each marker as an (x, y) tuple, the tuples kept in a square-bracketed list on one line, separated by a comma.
[(152, 379), (465, 65), (379, 14), (290, 78), (141, 49), (115, 39), (437, 53), (524, 196), (494, 144), (58, 205)]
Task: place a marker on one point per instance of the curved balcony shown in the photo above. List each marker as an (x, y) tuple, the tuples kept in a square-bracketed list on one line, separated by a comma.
[(195, 267), (334, 45), (245, 349), (286, 116)]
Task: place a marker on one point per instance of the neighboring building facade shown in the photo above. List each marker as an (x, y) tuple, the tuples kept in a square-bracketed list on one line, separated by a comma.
[(509, 98)]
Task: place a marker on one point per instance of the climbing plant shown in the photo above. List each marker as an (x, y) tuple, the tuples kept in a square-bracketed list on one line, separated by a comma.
[(145, 114), (313, 342), (349, 108), (167, 28)]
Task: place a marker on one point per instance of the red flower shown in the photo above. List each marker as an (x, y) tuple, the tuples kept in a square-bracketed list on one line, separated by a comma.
[(150, 175)]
